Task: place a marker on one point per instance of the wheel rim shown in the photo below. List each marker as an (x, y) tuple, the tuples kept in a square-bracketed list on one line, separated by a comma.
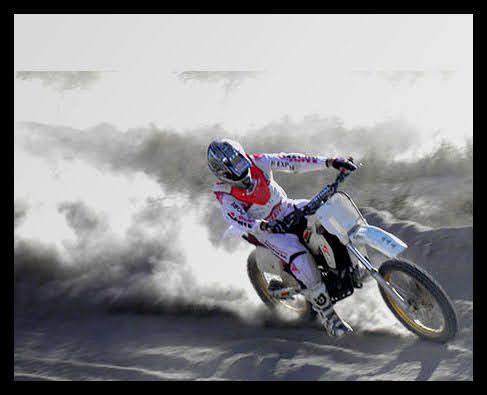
[(299, 305), (427, 316)]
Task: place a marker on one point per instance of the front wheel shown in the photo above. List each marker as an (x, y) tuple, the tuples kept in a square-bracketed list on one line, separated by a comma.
[(431, 314)]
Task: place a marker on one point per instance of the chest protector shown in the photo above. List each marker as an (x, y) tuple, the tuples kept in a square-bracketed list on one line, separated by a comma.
[(260, 195), (265, 201)]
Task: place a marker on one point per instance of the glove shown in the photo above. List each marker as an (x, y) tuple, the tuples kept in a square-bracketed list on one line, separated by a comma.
[(277, 227), (343, 164), (264, 226)]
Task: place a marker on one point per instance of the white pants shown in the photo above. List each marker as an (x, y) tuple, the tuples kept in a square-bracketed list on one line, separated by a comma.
[(288, 248)]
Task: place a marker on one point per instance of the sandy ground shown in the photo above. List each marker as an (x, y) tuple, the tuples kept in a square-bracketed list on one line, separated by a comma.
[(134, 347), (95, 345)]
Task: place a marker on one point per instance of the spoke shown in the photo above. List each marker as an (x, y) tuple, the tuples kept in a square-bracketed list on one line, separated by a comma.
[(427, 312)]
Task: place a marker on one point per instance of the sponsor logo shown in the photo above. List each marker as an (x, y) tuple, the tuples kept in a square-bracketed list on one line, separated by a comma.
[(281, 254), (299, 159), (276, 210), (294, 269), (324, 248), (306, 235), (237, 207), (389, 241), (241, 220), (276, 163)]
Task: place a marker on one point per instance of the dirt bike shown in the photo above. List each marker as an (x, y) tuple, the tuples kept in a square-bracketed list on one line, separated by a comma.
[(336, 234)]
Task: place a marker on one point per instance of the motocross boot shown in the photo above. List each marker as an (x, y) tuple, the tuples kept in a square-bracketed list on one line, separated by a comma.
[(278, 290), (321, 303)]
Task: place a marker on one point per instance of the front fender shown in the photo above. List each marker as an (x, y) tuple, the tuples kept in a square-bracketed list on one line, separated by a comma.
[(382, 241)]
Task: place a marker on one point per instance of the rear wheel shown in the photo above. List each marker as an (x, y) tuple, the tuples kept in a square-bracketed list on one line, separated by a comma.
[(431, 314), (261, 280)]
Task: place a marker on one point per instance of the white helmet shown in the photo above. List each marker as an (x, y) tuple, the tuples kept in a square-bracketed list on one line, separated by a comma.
[(228, 162)]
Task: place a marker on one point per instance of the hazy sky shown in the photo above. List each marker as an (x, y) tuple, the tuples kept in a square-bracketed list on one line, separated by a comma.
[(332, 65), (174, 42)]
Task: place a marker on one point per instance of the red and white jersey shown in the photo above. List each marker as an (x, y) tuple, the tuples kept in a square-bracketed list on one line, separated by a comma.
[(266, 200)]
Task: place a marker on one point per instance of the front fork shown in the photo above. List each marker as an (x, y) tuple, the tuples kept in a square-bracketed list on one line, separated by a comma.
[(377, 276)]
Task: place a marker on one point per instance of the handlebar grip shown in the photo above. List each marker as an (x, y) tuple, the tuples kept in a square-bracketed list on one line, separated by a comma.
[(295, 216)]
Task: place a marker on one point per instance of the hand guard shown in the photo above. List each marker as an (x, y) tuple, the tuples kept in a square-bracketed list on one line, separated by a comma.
[(342, 163)]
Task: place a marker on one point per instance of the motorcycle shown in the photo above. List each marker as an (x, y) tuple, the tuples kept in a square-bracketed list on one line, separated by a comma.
[(337, 236)]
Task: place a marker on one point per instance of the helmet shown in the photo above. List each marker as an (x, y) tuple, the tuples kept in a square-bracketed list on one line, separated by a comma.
[(228, 162)]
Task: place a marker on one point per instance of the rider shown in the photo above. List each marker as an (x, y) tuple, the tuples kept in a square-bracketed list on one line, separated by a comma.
[(251, 199)]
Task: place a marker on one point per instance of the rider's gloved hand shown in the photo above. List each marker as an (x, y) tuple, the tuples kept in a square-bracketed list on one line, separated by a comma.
[(277, 227), (342, 164), (264, 225)]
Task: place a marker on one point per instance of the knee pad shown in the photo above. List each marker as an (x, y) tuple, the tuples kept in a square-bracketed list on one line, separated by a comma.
[(303, 267)]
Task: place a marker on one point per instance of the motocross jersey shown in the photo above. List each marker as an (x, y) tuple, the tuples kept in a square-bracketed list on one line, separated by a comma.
[(265, 200)]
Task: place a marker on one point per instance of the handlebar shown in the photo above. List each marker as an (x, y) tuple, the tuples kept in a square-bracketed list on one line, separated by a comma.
[(293, 218)]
